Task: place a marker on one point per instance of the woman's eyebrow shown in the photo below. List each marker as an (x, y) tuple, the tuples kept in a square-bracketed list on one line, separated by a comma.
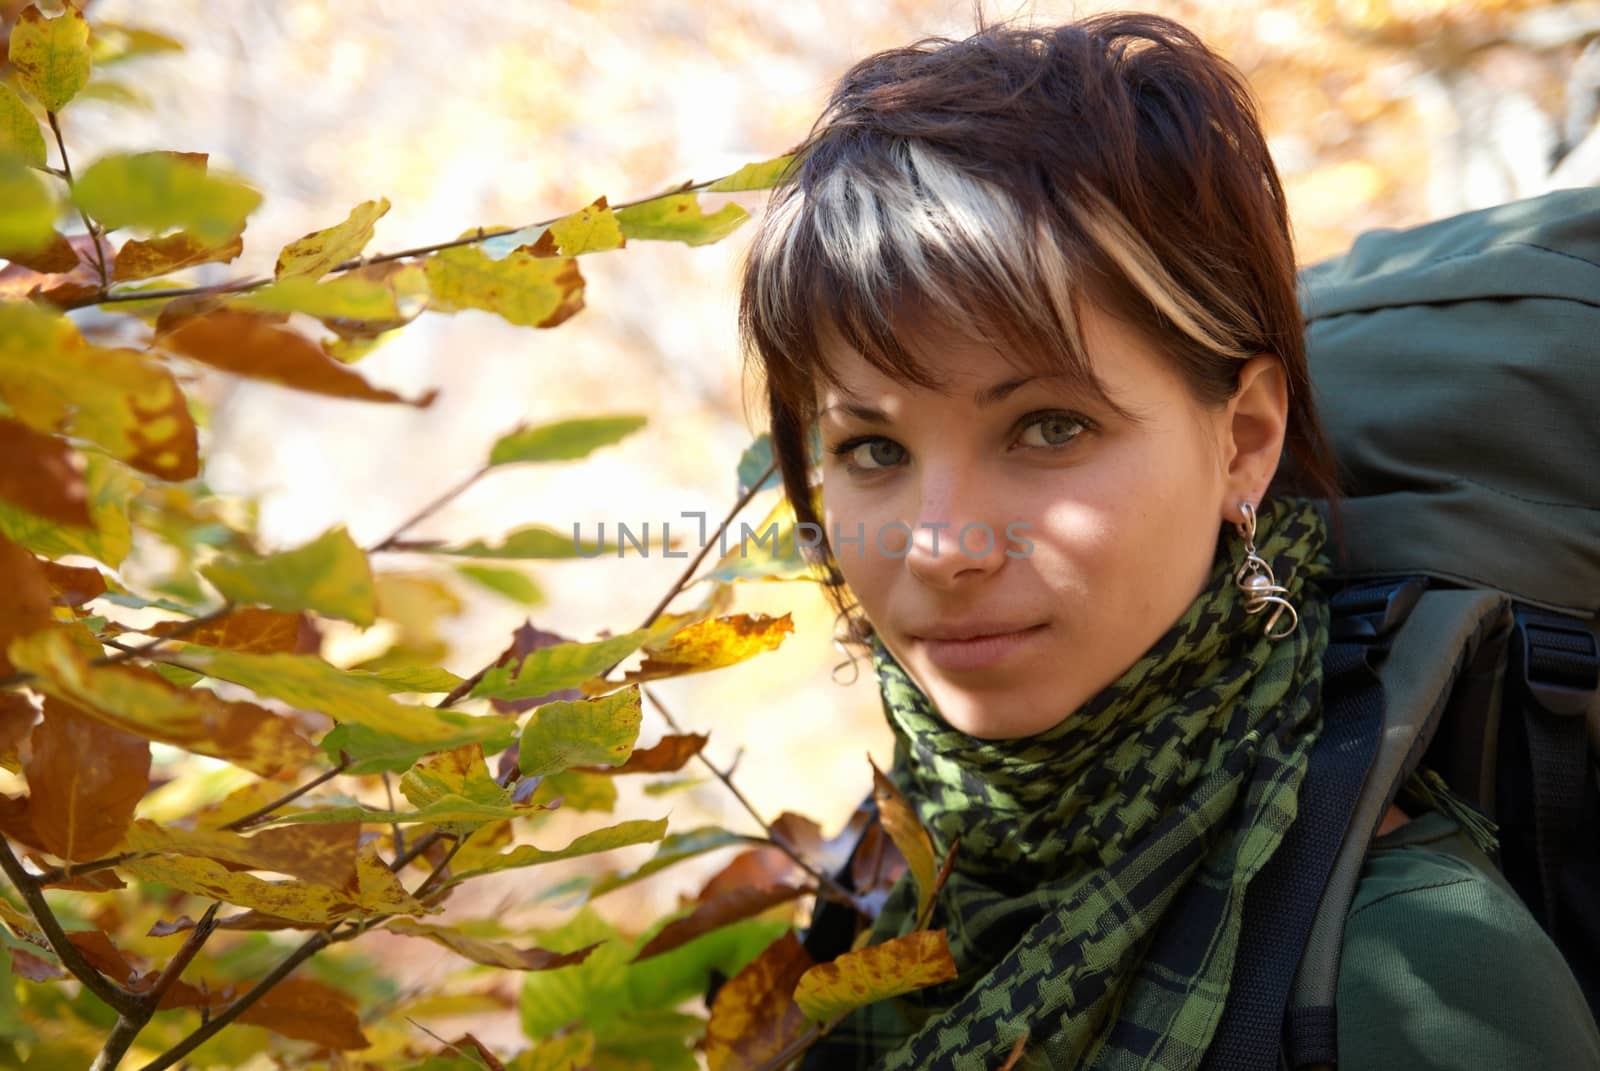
[(987, 396)]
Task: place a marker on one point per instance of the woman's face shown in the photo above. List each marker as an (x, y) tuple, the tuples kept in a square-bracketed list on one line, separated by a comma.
[(1087, 534)]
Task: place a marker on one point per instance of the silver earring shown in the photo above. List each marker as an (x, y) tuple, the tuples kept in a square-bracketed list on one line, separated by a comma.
[(1255, 581)]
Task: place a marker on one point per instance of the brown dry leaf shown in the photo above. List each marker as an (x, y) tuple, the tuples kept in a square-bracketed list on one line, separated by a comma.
[(252, 630), (878, 864), (467, 1043), (17, 714), (63, 273), (754, 1016), (84, 780), (256, 345), (144, 259), (875, 973), (24, 597), (73, 585), (756, 868), (721, 910), (42, 474), (908, 834), (310, 1011), (60, 255), (492, 953), (321, 853), (668, 755), (713, 644)]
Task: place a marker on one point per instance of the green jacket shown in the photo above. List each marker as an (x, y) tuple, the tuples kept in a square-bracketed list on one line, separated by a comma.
[(1444, 969)]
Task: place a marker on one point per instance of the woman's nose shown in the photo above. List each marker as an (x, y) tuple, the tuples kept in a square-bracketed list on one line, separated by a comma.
[(955, 538)]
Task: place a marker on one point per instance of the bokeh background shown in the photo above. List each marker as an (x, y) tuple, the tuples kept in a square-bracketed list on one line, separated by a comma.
[(476, 112)]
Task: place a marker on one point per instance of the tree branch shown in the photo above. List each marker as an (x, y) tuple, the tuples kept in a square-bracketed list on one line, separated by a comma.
[(129, 1024), (94, 232), (95, 982), (429, 510), (254, 817)]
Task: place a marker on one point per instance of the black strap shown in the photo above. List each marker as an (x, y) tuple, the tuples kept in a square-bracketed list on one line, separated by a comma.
[(1282, 901)]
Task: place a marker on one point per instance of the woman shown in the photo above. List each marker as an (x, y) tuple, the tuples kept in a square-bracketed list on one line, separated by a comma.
[(1034, 291)]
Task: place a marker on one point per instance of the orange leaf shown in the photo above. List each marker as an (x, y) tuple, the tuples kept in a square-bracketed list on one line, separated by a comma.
[(252, 344), (754, 1016), (669, 755), (24, 597), (42, 474), (250, 629), (84, 780), (716, 912), (17, 713), (713, 644), (310, 1011), (905, 829), (758, 868), (73, 585), (875, 973), (142, 259), (493, 953)]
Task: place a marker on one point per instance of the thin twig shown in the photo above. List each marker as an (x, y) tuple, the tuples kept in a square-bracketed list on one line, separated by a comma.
[(128, 652), (254, 817), (95, 982), (394, 827), (129, 1024), (94, 232), (480, 235), (430, 509)]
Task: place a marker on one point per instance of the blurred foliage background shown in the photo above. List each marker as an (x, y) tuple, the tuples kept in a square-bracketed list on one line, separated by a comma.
[(1381, 113)]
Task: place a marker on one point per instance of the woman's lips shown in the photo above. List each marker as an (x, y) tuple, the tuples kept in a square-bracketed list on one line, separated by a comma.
[(983, 652)]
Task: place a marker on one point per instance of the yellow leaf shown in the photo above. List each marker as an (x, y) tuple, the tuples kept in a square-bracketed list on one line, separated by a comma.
[(19, 131), (908, 834), (875, 973), (330, 575), (52, 378), (762, 175), (622, 835), (27, 209), (361, 303), (139, 701), (707, 645), (323, 854), (301, 901), (320, 252), (492, 953), (109, 487), (139, 259), (524, 289), (754, 1016), (589, 230), (561, 735), (678, 217), (51, 56)]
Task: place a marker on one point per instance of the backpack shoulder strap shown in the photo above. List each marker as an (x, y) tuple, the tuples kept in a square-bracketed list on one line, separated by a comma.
[(1425, 658)]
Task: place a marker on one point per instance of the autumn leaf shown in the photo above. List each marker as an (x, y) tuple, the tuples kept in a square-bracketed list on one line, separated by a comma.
[(673, 850), (372, 751), (110, 488), (668, 755), (875, 973), (59, 255), (320, 252), (622, 835), (308, 1011), (515, 585), (144, 259), (563, 665), (678, 217), (754, 1016), (492, 953), (42, 474), (139, 701), (20, 135), (17, 715), (908, 834), (299, 900), (521, 288), (165, 191), (562, 735), (592, 229), (357, 305), (27, 209), (84, 780), (330, 575), (769, 551), (713, 644), (322, 854), (247, 629), (24, 597), (534, 541), (566, 440), (718, 911), (755, 868), (577, 790), (251, 344), (757, 176), (51, 56), (55, 380)]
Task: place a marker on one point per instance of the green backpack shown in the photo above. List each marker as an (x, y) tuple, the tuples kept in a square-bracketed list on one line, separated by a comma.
[(1457, 366)]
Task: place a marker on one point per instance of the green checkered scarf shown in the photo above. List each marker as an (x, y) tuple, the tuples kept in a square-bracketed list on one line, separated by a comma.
[(1101, 874)]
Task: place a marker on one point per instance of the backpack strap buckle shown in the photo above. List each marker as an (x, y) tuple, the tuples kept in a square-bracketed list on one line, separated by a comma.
[(1371, 611), (1560, 661)]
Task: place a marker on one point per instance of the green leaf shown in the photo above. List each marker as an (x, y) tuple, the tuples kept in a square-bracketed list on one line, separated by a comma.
[(51, 56), (27, 207), (622, 835), (109, 92), (421, 679), (521, 288), (562, 665), (377, 298), (162, 191), (112, 43), (561, 735), (518, 587), (566, 440), (109, 488), (373, 751), (319, 252), (678, 217), (754, 462), (592, 229), (330, 575), (757, 176), (673, 850), (529, 542), (19, 130), (309, 683)]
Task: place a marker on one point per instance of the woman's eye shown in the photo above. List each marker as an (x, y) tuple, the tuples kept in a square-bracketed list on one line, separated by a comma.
[(866, 455), (1055, 429)]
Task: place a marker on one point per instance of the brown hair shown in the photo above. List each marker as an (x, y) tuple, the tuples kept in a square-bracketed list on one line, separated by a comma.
[(988, 185)]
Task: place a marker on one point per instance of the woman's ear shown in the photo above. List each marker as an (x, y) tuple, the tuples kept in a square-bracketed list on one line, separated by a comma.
[(1256, 419)]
